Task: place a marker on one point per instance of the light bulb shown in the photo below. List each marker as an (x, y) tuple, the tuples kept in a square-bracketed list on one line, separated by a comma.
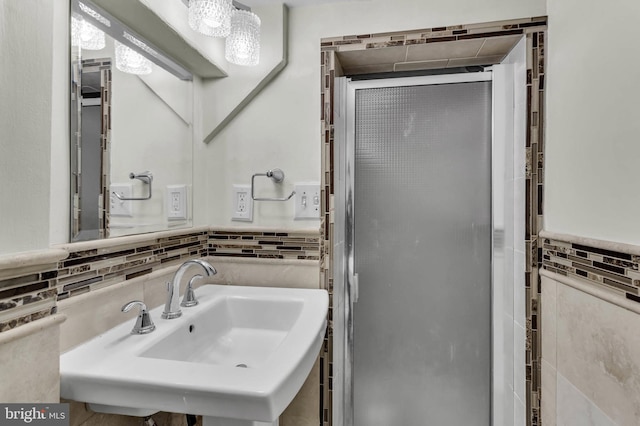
[(210, 17)]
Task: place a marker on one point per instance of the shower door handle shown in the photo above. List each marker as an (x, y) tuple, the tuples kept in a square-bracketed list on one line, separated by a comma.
[(355, 288)]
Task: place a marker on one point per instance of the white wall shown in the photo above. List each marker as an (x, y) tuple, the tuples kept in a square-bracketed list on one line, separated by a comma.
[(25, 123), (281, 128), (592, 148)]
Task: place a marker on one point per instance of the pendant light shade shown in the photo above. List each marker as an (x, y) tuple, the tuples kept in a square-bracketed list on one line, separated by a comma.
[(210, 17), (85, 35), (76, 26), (131, 62), (242, 46)]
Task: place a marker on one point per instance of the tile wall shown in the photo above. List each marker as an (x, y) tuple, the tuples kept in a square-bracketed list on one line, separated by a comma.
[(28, 295), (614, 268), (534, 30), (590, 316)]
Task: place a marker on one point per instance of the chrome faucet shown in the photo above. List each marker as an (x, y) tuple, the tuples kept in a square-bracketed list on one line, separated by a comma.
[(144, 324), (172, 306)]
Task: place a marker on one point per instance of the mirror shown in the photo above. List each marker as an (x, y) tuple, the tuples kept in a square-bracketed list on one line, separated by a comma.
[(131, 134)]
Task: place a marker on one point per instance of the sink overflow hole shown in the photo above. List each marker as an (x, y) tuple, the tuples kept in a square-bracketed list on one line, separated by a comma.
[(191, 328), (242, 365)]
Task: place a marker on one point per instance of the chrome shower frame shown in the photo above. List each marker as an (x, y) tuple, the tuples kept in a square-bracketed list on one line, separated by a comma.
[(345, 282)]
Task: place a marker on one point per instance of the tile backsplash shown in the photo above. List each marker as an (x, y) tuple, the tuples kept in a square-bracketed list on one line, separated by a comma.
[(609, 266), (265, 245), (30, 293)]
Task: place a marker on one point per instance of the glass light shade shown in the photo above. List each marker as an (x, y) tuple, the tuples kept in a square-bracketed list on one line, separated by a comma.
[(86, 35), (76, 27), (242, 47), (131, 62), (210, 17)]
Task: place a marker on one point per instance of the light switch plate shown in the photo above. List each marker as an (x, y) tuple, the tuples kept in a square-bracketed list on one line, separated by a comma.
[(307, 201), (241, 203), (118, 207), (177, 202)]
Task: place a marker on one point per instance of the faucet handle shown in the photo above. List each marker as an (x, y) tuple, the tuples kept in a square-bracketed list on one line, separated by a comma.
[(144, 324), (189, 298)]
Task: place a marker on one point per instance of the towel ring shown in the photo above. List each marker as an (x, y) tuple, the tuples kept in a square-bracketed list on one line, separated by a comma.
[(277, 176)]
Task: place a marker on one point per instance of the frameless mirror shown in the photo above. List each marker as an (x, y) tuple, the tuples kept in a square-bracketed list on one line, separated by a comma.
[(131, 131)]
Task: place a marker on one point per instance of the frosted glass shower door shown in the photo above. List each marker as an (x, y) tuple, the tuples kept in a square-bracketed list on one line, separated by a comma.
[(422, 321)]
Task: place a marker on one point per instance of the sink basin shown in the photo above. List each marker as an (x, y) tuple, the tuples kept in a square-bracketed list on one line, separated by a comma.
[(233, 331), (242, 353)]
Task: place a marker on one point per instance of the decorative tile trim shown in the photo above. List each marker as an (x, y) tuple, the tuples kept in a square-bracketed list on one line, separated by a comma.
[(435, 35), (32, 327), (534, 30), (30, 285), (265, 245), (87, 270), (602, 264), (26, 319)]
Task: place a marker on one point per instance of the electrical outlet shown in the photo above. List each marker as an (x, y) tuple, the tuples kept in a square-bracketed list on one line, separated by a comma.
[(119, 207), (307, 201), (176, 202), (242, 204)]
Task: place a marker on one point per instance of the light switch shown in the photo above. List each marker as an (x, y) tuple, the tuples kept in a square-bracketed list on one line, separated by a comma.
[(307, 201), (119, 207)]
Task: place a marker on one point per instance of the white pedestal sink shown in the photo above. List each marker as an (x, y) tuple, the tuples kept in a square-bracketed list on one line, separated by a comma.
[(237, 358)]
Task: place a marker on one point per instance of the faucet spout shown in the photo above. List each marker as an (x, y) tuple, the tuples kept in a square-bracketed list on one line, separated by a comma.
[(172, 306)]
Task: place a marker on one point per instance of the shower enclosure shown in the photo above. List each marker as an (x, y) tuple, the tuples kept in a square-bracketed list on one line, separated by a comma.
[(417, 242)]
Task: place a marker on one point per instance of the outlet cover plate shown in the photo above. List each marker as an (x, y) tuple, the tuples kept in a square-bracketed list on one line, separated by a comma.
[(307, 201), (177, 202), (241, 203), (118, 207)]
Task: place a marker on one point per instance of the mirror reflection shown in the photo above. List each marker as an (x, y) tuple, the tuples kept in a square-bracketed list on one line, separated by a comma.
[(131, 131)]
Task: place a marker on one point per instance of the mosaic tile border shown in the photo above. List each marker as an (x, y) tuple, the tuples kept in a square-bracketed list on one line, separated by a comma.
[(615, 271), (265, 245), (91, 268), (26, 319), (435, 35), (534, 29)]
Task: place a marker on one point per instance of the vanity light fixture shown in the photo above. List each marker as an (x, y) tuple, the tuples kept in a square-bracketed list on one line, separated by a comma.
[(76, 27), (230, 19), (89, 11), (136, 54), (242, 47), (130, 61), (85, 35), (210, 17)]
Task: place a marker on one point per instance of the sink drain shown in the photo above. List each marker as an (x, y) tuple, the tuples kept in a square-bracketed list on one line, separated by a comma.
[(242, 365)]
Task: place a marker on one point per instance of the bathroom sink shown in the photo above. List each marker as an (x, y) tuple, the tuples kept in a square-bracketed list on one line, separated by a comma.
[(241, 353), (234, 331)]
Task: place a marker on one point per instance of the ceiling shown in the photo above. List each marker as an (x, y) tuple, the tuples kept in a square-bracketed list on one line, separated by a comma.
[(293, 3), (451, 54)]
